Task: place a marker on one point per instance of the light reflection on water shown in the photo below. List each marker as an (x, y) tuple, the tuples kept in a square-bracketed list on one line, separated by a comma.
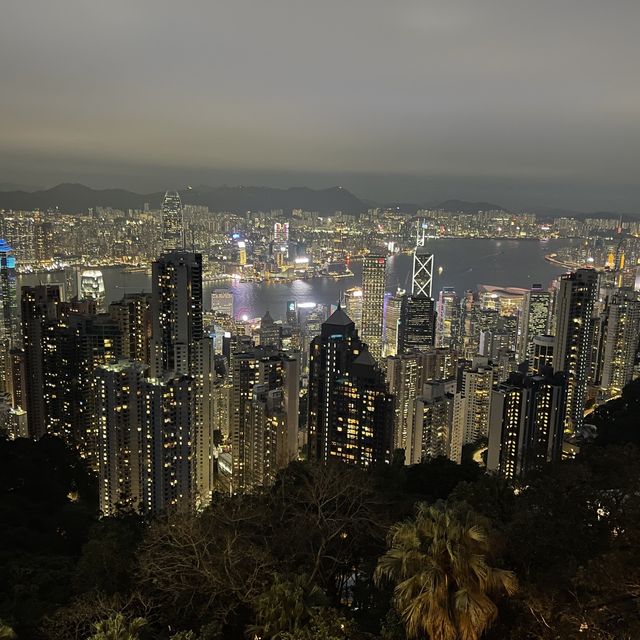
[(466, 263)]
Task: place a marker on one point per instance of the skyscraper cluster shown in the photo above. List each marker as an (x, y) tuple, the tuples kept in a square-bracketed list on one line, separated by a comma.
[(169, 404)]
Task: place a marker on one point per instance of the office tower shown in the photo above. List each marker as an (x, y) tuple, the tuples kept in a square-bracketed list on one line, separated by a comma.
[(448, 314), (222, 302), (417, 325), (574, 338), (242, 253), (332, 355), (393, 318), (9, 321), (281, 233), (542, 354), (502, 336), (422, 275), (264, 421), (293, 315), (431, 423), (132, 314), (437, 364), (91, 287), (9, 318), (535, 320), (404, 373), (362, 431), (353, 304), (373, 284), (471, 407), (504, 362), (527, 421), (622, 333), (270, 333), (172, 223), (40, 308)]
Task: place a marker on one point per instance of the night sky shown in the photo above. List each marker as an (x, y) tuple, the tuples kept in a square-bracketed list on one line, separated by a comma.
[(524, 102)]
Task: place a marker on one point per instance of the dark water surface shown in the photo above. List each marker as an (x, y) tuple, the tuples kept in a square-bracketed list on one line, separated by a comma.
[(465, 264)]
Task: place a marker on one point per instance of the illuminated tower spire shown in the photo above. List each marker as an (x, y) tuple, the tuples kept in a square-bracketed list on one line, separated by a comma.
[(421, 283), (172, 222)]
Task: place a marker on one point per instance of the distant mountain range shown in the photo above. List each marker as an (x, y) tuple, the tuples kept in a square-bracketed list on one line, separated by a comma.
[(76, 198)]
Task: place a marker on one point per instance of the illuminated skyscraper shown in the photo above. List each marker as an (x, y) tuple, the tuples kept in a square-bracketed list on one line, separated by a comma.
[(350, 414), (417, 324), (40, 309), (353, 304), (622, 332), (242, 253), (133, 316), (393, 318), (264, 420), (9, 318), (431, 419), (270, 332), (92, 287), (9, 321), (222, 302), (471, 407), (535, 320), (574, 338), (176, 312), (422, 278), (448, 314), (172, 222), (362, 431), (373, 285), (404, 373), (526, 425), (180, 348), (542, 354)]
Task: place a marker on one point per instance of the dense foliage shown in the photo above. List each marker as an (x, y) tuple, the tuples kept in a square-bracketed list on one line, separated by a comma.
[(298, 561)]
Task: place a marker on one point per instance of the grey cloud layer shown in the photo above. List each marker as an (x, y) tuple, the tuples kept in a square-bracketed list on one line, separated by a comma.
[(492, 88)]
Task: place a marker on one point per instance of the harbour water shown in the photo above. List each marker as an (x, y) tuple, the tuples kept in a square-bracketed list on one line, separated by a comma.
[(465, 264)]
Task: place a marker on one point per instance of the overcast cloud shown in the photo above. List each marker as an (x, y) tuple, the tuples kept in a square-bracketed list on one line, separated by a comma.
[(533, 101)]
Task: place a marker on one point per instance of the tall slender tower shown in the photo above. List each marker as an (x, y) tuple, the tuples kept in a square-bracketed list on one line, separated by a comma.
[(418, 322), (40, 309), (422, 277), (373, 283), (535, 320), (176, 312), (180, 348), (172, 222), (9, 319), (574, 338), (9, 325), (622, 317)]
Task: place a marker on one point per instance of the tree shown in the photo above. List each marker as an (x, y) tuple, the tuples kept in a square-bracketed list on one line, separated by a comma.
[(6, 632), (444, 585), (285, 606), (324, 624), (118, 628)]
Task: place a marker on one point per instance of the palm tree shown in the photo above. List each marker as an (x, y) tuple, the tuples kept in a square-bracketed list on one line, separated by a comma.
[(6, 632), (118, 628), (443, 582)]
